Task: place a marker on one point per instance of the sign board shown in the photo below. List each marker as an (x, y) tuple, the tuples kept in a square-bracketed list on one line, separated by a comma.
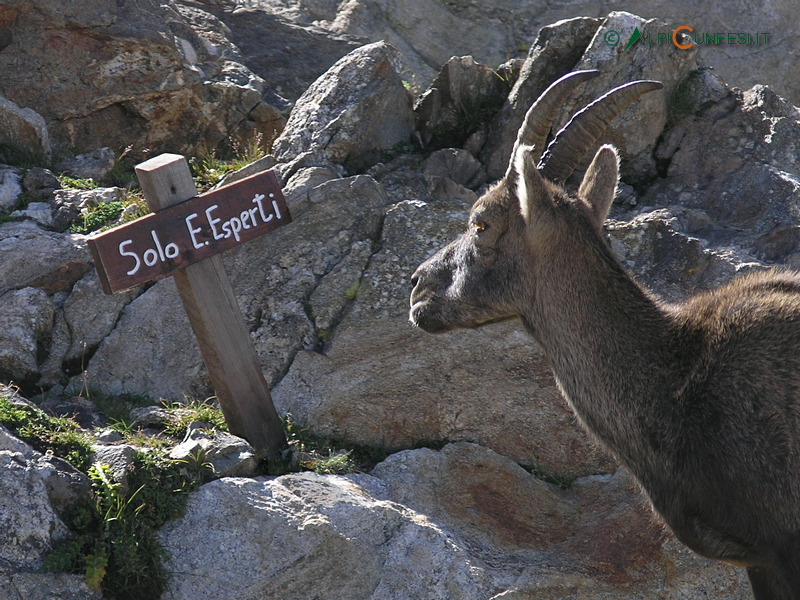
[(156, 245)]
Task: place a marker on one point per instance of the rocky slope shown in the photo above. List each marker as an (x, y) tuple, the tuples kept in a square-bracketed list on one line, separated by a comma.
[(376, 182)]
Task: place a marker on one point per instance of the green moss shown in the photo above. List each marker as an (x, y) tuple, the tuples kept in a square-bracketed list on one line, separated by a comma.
[(62, 437), (98, 217), (76, 183)]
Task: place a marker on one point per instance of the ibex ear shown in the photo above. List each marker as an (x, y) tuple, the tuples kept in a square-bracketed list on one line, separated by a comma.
[(599, 185), (529, 183)]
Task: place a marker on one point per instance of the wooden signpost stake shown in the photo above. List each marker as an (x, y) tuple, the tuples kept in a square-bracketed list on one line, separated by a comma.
[(183, 239)]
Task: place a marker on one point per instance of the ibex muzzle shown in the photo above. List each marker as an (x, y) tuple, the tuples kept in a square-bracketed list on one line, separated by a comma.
[(700, 401)]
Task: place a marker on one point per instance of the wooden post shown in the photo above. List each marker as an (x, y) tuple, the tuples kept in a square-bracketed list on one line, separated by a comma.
[(217, 321)]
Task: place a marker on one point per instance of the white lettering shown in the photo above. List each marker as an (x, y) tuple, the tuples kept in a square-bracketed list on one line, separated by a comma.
[(245, 216), (236, 226), (257, 200), (212, 221), (133, 254), (153, 257), (193, 231), (171, 250), (277, 210), (158, 246)]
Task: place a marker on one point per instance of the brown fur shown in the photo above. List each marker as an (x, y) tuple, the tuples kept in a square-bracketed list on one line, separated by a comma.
[(700, 400)]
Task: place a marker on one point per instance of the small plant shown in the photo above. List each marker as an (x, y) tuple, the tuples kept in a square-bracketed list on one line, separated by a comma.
[(209, 168), (327, 456), (115, 545), (351, 293), (99, 217), (76, 183), (62, 437), (184, 413)]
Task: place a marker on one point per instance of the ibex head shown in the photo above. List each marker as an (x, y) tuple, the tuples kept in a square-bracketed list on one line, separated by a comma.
[(491, 272)]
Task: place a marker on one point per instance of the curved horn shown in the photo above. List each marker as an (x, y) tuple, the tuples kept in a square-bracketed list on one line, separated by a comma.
[(539, 118), (571, 144)]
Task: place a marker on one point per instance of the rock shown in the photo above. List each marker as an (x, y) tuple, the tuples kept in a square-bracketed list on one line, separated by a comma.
[(27, 317), (119, 459), (39, 212), (29, 523), (109, 436), (458, 165), (151, 351), (635, 131), (45, 586), (596, 539), (743, 188), (10, 189), (36, 258), (91, 165), (40, 183), (382, 383), (465, 521), (150, 75), (225, 454), (352, 113), (71, 205), (303, 533), (23, 130), (66, 486), (287, 55), (430, 33), (262, 164), (150, 416), (11, 443), (460, 102), (556, 50), (78, 408), (90, 315), (275, 277)]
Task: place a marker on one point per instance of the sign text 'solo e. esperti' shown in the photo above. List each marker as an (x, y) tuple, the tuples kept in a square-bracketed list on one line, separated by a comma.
[(156, 245)]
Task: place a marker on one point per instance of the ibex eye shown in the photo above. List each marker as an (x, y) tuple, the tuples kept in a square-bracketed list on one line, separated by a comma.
[(478, 226)]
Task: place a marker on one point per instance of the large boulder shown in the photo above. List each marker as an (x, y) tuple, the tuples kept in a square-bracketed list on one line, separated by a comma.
[(281, 280), (27, 317), (429, 32), (356, 110), (580, 44), (460, 523), (151, 75), (23, 132), (289, 55), (380, 382), (305, 536), (151, 351), (34, 489), (33, 257), (30, 524)]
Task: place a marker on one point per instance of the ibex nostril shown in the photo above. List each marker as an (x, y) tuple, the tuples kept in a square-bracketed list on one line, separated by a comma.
[(414, 280)]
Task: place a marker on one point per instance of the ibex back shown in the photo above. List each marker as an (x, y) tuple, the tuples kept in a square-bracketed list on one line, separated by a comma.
[(700, 400)]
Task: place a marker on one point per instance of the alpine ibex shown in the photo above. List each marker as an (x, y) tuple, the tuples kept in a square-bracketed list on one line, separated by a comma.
[(699, 400)]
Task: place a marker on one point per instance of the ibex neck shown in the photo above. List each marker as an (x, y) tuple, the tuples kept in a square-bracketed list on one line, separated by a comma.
[(609, 344)]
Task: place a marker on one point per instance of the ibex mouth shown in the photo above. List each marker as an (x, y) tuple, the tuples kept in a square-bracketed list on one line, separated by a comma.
[(420, 316)]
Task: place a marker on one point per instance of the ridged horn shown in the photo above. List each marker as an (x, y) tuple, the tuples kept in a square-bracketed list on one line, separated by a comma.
[(576, 138), (539, 118)]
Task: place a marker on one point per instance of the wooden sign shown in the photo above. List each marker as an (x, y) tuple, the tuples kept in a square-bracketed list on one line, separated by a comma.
[(158, 244), (183, 238)]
